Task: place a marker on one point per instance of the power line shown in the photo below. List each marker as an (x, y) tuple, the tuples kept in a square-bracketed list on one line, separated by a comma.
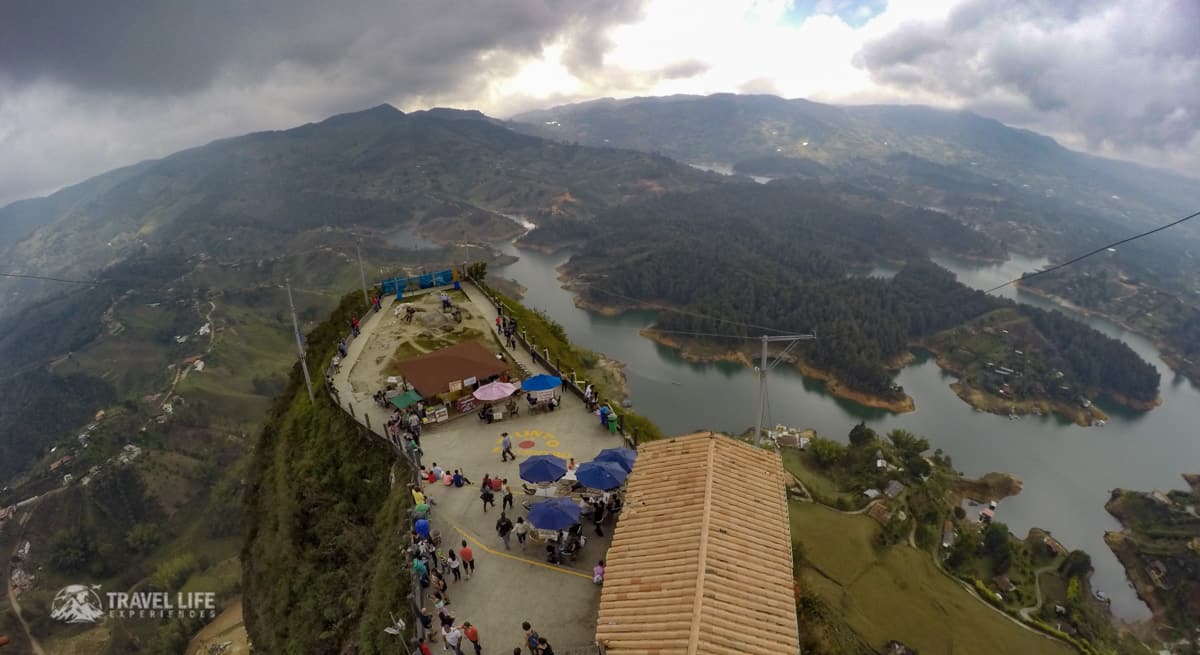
[(49, 279), (1096, 251), (704, 334), (683, 312)]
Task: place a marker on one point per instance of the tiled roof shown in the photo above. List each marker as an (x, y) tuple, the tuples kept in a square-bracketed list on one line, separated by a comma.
[(701, 560)]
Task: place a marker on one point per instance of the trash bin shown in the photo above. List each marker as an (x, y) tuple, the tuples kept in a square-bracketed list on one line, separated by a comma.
[(457, 286), (612, 423)]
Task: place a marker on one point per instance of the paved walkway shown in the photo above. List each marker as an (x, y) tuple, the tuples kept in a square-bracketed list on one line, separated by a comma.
[(509, 586)]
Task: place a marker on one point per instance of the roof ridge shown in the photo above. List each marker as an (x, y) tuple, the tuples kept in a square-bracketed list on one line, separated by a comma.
[(702, 553)]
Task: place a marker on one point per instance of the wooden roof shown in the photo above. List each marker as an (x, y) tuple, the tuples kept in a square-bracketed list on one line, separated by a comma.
[(701, 560), (433, 372)]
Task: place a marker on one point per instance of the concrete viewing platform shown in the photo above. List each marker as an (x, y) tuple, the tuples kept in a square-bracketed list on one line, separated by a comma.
[(508, 586)]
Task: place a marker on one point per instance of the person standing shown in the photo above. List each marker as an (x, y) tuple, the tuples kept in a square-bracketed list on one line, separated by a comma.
[(522, 529), (504, 527), (468, 559), (454, 640), (506, 448), (422, 647), (488, 498), (531, 637), (598, 517), (506, 497), (543, 647), (421, 571), (454, 564), (472, 635)]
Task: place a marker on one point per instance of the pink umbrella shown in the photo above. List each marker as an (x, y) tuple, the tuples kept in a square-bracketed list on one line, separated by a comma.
[(494, 391)]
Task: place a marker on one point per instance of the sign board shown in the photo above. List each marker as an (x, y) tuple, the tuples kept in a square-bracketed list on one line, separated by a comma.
[(468, 382), (466, 404), (456, 386)]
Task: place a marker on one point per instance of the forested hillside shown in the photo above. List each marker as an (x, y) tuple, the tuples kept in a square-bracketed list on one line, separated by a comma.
[(322, 558), (445, 174), (782, 257)]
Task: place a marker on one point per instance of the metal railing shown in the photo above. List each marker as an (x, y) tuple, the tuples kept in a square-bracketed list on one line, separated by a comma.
[(570, 380)]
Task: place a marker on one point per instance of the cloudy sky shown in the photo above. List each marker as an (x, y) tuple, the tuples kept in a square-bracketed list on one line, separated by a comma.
[(88, 86)]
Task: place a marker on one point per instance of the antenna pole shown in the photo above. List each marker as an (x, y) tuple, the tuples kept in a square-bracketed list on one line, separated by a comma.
[(361, 275), (762, 376), (299, 341)]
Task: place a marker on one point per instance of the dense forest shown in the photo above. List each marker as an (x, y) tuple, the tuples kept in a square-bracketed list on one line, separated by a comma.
[(783, 257), (321, 560)]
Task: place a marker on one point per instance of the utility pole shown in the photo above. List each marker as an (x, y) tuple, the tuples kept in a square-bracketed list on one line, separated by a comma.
[(299, 342), (792, 340), (362, 276)]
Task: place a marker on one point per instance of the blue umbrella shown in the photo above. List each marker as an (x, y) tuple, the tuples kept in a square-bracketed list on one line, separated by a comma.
[(601, 475), (622, 456), (554, 514), (541, 382), (543, 468)]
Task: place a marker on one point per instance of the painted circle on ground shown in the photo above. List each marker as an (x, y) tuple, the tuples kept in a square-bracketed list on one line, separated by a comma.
[(527, 444), (552, 443)]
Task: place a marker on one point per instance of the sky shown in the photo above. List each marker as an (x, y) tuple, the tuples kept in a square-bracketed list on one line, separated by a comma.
[(89, 86)]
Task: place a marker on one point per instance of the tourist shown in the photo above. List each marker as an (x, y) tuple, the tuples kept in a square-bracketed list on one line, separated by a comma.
[(354, 326), (543, 647), (421, 511), (417, 494), (506, 498), (426, 619), (414, 424), (421, 571), (531, 637), (487, 481), (454, 640), (598, 573), (455, 565), (604, 416), (445, 618), (448, 479), (472, 635), (486, 495), (468, 559), (337, 364), (437, 471), (446, 630), (506, 447), (422, 528), (503, 528), (587, 393), (522, 529), (598, 517), (571, 464), (459, 479), (440, 591), (422, 647)]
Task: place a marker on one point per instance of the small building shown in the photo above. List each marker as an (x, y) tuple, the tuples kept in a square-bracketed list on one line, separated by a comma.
[(947, 534), (1160, 497), (894, 488), (1158, 573), (987, 515), (872, 493), (880, 512), (1004, 584), (60, 462)]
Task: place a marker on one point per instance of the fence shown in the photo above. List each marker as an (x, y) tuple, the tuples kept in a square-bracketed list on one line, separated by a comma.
[(411, 458), (423, 281), (571, 382)]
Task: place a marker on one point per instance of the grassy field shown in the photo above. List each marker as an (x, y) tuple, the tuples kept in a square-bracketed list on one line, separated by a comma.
[(800, 464), (899, 594)]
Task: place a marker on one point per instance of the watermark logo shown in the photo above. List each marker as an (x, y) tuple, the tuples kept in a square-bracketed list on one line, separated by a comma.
[(81, 604), (77, 604)]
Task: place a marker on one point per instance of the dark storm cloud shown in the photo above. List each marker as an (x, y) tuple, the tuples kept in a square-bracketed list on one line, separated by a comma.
[(176, 46), (88, 86), (1123, 76)]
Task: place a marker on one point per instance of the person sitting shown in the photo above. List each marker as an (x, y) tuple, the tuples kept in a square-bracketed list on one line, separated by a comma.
[(552, 404), (486, 413), (511, 406), (437, 471), (598, 572), (460, 479)]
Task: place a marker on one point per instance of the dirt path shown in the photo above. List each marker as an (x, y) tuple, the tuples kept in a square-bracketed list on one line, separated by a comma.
[(1037, 589), (225, 634)]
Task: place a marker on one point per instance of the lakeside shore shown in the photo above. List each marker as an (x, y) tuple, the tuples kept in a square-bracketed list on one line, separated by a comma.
[(1173, 359), (699, 354)]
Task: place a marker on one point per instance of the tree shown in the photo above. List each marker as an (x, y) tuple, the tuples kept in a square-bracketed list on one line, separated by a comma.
[(861, 435), (995, 538), (1077, 564), (70, 550), (143, 537), (907, 442), (826, 451), (917, 466), (959, 513)]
